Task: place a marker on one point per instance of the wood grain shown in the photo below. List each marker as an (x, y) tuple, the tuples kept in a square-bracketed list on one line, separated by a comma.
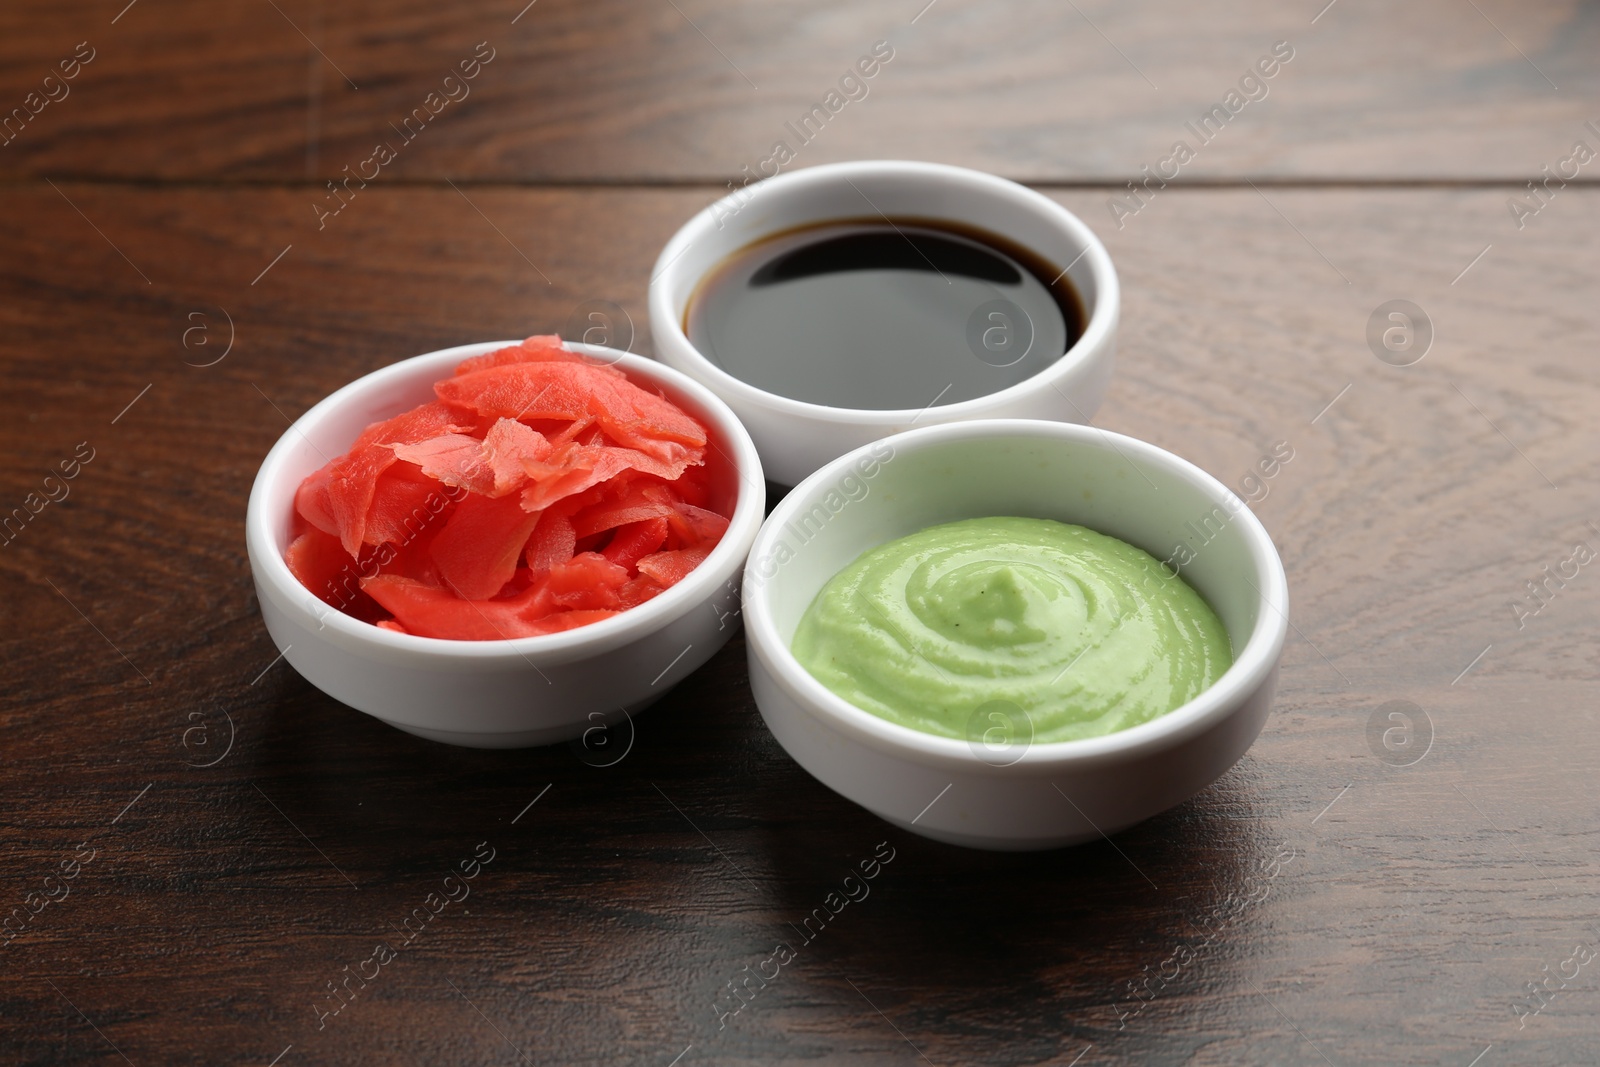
[(1316, 905), (296, 90), (239, 840)]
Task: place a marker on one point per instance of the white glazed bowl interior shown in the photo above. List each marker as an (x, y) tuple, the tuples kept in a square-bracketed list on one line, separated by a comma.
[(795, 437), (1054, 793), (517, 692)]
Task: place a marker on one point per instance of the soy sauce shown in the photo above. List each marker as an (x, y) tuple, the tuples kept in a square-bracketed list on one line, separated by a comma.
[(884, 315)]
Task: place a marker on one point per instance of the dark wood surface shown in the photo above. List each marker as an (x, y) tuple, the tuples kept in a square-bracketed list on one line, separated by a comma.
[(692, 91), (1319, 904)]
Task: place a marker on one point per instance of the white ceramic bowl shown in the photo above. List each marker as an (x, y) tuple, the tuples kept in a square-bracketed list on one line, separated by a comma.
[(1038, 795), (517, 692), (795, 437)]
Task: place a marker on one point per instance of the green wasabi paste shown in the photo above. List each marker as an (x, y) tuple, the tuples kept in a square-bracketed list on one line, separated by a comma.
[(1083, 633)]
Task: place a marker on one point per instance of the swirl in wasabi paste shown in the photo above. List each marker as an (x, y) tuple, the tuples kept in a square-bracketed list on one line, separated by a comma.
[(1084, 633)]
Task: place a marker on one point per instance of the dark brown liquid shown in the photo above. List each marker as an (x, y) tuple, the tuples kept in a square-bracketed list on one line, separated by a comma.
[(868, 313)]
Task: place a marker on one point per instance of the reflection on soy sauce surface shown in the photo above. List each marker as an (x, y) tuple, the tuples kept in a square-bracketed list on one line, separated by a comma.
[(883, 314)]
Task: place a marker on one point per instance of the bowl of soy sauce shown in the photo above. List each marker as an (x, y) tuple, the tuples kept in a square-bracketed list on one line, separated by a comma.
[(834, 305)]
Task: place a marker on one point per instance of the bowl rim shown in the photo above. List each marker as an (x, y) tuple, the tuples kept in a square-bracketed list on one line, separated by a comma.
[(721, 566), (667, 326), (1252, 667)]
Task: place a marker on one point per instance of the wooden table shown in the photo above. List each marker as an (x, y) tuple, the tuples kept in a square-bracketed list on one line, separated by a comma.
[(238, 843)]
